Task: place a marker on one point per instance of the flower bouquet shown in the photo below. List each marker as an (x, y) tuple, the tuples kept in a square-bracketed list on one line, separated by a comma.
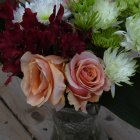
[(69, 53)]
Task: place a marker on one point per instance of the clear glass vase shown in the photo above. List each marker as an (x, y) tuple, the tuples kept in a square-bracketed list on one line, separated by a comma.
[(75, 125)]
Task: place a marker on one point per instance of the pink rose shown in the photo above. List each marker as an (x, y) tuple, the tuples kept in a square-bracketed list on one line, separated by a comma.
[(43, 79), (86, 80)]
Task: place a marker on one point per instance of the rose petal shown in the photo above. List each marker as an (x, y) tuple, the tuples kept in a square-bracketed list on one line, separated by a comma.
[(44, 67), (98, 92), (77, 104), (81, 92), (72, 66), (35, 100), (95, 98), (83, 98), (25, 83), (69, 78), (73, 101), (25, 59), (34, 77), (47, 93), (107, 84), (89, 55), (83, 106), (55, 59), (58, 85)]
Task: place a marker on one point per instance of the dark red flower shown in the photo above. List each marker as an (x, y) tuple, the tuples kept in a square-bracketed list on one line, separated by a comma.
[(71, 44), (6, 10), (10, 48), (29, 19), (57, 17)]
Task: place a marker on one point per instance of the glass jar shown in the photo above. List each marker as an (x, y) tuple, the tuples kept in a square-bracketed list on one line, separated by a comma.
[(76, 125)]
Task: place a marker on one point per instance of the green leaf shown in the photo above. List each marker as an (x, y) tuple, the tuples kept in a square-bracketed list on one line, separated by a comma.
[(81, 6), (126, 103), (106, 38), (86, 21)]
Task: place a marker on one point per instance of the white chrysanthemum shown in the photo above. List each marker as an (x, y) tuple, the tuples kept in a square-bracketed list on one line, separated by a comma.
[(119, 67), (18, 14), (108, 12), (44, 8), (132, 36)]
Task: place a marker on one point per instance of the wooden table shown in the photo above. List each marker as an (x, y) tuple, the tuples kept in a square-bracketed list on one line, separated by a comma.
[(20, 121)]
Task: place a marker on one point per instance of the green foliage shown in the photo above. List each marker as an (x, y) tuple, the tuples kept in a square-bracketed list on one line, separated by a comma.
[(121, 4), (84, 17), (106, 39), (81, 6), (86, 21), (132, 7), (134, 4)]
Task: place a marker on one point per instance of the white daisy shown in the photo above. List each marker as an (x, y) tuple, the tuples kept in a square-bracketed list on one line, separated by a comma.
[(18, 14)]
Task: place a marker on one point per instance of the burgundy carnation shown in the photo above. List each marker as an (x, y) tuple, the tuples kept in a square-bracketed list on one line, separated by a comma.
[(6, 10), (71, 44), (29, 19)]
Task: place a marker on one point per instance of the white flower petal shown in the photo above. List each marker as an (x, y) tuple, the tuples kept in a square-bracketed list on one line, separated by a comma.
[(44, 8), (132, 36), (18, 14), (108, 12), (113, 90), (119, 67)]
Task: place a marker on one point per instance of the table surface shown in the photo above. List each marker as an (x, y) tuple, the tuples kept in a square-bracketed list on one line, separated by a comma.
[(18, 120)]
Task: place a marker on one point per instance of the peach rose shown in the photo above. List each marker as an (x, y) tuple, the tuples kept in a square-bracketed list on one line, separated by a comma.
[(86, 80), (43, 79)]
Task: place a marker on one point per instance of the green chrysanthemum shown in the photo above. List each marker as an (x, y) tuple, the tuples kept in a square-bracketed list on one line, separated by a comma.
[(84, 16), (130, 7), (80, 5), (106, 39), (98, 14), (85, 20), (133, 6)]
